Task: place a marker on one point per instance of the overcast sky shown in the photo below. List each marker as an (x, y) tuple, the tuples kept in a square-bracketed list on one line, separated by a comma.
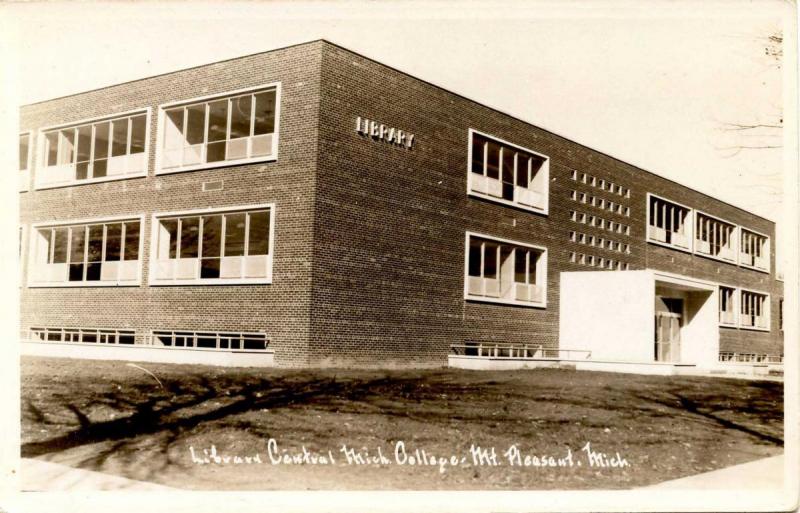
[(652, 83)]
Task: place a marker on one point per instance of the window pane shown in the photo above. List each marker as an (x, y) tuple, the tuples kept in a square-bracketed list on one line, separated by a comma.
[(520, 266), (60, 245), (119, 142), (258, 240), (209, 267), (24, 141), (173, 132), (474, 260), (113, 241), (168, 248), (95, 248), (508, 165), (522, 169), (78, 234), (217, 120), (138, 131), (240, 116), (195, 123), (101, 141), (84, 143), (493, 162), (132, 241), (234, 234), (212, 236), (215, 152), (51, 140), (490, 261), (477, 154), (190, 231), (265, 113), (66, 153), (533, 256)]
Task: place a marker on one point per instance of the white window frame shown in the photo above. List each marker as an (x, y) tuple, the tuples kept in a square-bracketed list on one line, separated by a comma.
[(33, 228), (767, 309), (734, 236), (41, 159), (689, 223), (24, 176), (153, 257), (736, 299), (767, 250), (542, 262), (544, 209), (162, 108)]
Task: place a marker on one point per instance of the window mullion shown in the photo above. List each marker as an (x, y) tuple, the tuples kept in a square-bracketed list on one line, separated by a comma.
[(223, 231), (178, 239), (85, 251), (246, 251), (122, 244)]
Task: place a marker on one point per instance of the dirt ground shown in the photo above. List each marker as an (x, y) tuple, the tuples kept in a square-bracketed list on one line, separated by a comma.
[(427, 424)]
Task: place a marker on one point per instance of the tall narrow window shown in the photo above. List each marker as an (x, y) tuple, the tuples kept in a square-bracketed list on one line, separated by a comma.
[(505, 272), (502, 171), (227, 129), (24, 151), (213, 247), (727, 306)]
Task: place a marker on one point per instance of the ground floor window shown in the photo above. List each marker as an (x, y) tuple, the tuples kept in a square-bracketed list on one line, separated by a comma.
[(505, 271), (727, 306), (214, 247), (223, 341), (82, 335)]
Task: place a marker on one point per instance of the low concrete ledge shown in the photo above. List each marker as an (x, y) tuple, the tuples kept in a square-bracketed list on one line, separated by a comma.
[(505, 363), (153, 354)]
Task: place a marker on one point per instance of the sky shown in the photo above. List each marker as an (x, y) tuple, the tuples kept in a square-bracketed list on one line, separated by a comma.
[(653, 83)]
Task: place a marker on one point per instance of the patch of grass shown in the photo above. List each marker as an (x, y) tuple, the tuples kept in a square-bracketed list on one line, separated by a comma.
[(111, 417)]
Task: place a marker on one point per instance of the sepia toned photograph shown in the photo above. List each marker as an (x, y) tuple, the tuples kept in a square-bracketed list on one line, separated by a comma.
[(387, 247)]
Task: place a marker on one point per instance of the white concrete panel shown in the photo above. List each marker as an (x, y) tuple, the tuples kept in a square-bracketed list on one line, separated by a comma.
[(143, 353), (609, 313)]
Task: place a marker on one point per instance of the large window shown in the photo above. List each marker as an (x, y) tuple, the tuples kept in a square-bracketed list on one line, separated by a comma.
[(508, 173), (669, 223), (504, 271), (727, 306), (100, 253), (754, 250), (103, 150), (754, 310), (715, 238), (213, 247), (236, 128)]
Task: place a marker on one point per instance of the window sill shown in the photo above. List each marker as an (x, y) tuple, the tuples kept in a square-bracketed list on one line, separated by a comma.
[(727, 325), (510, 302), (493, 199), (754, 268), (41, 186), (670, 246), (210, 282), (713, 257), (215, 165), (754, 328), (82, 284)]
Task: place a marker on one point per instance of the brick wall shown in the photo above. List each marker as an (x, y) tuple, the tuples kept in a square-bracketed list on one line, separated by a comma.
[(282, 308)]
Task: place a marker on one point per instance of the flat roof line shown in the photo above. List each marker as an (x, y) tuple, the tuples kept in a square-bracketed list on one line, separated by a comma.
[(500, 111)]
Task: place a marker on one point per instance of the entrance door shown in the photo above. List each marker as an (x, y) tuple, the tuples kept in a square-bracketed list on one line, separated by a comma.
[(668, 331)]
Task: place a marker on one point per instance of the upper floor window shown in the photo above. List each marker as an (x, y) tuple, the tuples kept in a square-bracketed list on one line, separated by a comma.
[(669, 223), (714, 237), (754, 310), (24, 151), (109, 149), (213, 247), (507, 173), (754, 250), (727, 306), (97, 253), (505, 272), (226, 129)]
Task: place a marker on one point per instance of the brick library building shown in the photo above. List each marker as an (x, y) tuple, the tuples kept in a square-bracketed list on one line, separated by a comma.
[(309, 206)]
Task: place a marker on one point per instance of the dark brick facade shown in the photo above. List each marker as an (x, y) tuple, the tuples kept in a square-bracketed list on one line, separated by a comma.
[(369, 236)]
